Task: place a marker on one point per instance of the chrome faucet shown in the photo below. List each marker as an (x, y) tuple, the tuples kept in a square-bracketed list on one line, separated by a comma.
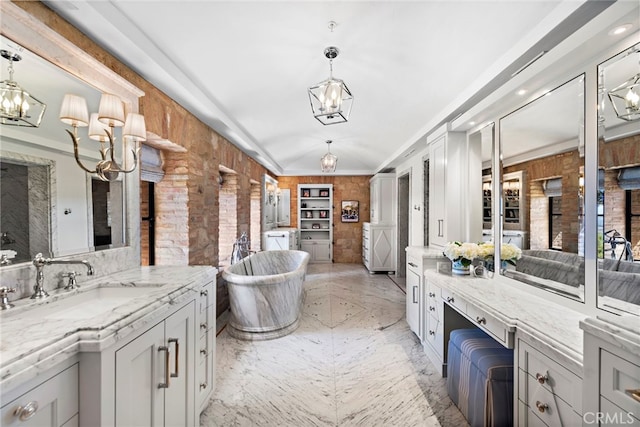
[(39, 261)]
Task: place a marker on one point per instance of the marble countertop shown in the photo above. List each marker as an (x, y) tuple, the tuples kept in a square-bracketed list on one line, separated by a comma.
[(35, 336), (550, 325), (425, 251), (620, 331)]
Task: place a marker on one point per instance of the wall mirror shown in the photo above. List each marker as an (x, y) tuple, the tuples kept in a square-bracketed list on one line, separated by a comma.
[(269, 203), (64, 211), (618, 216), (542, 152), (283, 202)]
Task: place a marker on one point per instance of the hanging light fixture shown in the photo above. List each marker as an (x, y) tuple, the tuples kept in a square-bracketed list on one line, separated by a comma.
[(331, 99), (626, 98), (101, 128), (17, 107), (329, 161)]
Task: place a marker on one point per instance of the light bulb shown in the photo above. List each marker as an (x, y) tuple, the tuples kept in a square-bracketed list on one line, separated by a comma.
[(631, 100)]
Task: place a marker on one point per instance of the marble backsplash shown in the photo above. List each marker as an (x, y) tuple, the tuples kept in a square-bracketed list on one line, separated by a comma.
[(22, 276)]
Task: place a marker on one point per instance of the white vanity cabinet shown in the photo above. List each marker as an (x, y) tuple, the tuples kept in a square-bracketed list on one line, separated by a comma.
[(446, 201), (548, 392), (415, 295), (151, 375), (52, 401), (206, 356), (611, 371), (382, 193), (154, 375)]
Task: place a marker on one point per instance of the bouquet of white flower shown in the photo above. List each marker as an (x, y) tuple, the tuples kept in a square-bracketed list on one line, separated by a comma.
[(509, 252), (464, 252)]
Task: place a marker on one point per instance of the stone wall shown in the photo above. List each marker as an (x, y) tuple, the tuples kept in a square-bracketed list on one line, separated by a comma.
[(347, 236)]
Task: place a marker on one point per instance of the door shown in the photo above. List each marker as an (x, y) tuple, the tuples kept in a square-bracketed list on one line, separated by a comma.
[(139, 370), (413, 298)]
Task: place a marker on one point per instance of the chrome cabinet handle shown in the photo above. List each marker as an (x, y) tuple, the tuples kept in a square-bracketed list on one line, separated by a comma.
[(432, 308), (175, 362), (634, 393), (440, 227), (415, 298), (541, 406), (166, 366), (481, 320), (204, 293), (432, 295), (450, 300), (203, 351), (203, 325), (27, 411), (413, 265), (432, 332), (203, 386), (542, 378)]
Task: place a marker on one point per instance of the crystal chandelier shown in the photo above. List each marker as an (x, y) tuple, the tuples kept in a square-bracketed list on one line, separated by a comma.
[(17, 107), (101, 128), (329, 161), (331, 99)]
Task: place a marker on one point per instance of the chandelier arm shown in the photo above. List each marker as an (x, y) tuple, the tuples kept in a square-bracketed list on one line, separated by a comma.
[(135, 161), (74, 138)]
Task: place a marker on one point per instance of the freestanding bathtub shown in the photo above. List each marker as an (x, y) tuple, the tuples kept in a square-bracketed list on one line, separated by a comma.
[(265, 294)]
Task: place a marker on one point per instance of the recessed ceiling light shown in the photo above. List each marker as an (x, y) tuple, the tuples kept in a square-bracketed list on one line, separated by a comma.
[(521, 92), (620, 29), (472, 123)]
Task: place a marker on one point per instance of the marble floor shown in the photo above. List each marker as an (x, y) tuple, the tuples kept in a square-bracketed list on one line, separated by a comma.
[(352, 362)]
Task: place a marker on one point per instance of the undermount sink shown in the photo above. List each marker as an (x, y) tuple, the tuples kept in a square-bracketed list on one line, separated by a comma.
[(89, 304)]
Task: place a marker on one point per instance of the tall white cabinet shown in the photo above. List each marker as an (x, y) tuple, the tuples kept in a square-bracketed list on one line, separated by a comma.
[(315, 221), (379, 235), (446, 187)]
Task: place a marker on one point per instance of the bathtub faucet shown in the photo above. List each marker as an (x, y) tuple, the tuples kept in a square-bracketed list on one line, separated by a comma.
[(240, 248)]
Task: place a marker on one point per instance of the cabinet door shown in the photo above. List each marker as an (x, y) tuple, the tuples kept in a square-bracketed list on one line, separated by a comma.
[(413, 298), (383, 249), (179, 396), (322, 252), (437, 196), (140, 367), (54, 403), (374, 194)]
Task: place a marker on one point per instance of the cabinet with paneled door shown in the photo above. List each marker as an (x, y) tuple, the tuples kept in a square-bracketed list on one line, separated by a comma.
[(315, 221), (206, 364)]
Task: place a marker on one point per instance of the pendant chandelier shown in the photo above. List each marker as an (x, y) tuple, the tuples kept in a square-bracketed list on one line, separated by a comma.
[(101, 128), (329, 161), (331, 99), (626, 98), (17, 107)]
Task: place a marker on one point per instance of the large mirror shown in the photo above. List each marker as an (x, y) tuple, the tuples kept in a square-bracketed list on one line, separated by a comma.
[(618, 220), (49, 205), (542, 151)]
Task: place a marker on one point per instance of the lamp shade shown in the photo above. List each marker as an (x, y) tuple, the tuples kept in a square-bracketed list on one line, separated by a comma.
[(134, 127), (111, 111), (97, 129), (74, 111)]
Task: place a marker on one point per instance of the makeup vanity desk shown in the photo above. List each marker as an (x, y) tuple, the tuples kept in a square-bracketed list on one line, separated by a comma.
[(545, 336)]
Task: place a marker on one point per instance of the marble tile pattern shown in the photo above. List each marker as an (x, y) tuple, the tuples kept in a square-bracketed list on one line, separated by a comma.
[(353, 361), (33, 338), (553, 327), (266, 293)]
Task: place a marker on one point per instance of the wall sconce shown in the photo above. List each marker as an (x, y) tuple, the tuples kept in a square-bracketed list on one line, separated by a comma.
[(17, 106), (101, 128)]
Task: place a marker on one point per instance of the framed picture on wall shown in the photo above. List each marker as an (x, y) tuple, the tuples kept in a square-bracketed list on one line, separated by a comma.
[(350, 211)]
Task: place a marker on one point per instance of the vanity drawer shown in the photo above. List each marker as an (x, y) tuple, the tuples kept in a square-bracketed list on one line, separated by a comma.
[(619, 378), (559, 380), (454, 301), (488, 323), (614, 415), (528, 418), (544, 404), (435, 335), (414, 264)]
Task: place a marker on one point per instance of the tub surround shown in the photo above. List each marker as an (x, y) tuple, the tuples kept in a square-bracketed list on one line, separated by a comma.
[(31, 346), (266, 294)]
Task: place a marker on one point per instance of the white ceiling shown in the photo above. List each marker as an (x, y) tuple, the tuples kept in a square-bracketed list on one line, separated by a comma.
[(244, 67)]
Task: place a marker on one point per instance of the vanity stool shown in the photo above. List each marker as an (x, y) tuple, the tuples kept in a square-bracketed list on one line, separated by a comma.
[(480, 378)]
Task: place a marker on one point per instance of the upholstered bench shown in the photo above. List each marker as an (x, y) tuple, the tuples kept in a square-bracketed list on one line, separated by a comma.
[(480, 378)]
